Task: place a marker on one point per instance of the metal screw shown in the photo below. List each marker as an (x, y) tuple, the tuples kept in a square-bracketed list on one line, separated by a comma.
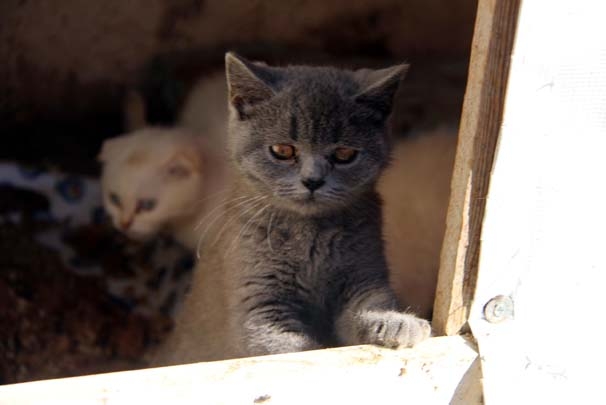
[(499, 309)]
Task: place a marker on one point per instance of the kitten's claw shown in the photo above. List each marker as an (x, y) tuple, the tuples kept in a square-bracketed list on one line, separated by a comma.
[(392, 329)]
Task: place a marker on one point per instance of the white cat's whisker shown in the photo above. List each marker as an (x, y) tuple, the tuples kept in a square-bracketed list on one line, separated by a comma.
[(220, 214), (254, 205), (233, 244)]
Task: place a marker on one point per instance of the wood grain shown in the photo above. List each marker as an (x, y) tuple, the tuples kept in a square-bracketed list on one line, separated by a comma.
[(478, 134)]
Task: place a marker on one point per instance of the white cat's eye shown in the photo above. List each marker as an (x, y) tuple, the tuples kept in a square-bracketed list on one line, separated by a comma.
[(147, 204), (344, 155), (283, 151), (114, 199)]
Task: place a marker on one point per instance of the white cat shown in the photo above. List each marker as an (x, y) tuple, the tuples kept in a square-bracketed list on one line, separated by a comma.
[(205, 110), (415, 190), (166, 179)]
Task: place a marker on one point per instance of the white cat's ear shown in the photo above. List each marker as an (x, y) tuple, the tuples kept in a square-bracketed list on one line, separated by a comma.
[(248, 83), (182, 164), (109, 148), (379, 86)]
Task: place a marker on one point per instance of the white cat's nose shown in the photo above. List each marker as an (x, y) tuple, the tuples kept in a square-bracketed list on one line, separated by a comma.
[(125, 223)]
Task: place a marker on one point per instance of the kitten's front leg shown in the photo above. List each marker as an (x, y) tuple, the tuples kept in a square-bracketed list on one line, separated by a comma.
[(269, 338), (370, 316), (271, 322)]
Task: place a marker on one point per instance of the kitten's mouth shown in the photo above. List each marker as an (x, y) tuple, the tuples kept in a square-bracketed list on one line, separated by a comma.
[(312, 201), (307, 199), (309, 203)]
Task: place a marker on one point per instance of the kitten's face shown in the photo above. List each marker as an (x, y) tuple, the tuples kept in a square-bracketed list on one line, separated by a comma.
[(148, 184), (308, 139)]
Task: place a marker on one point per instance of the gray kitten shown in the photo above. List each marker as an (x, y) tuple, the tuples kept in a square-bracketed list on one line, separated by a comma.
[(298, 262)]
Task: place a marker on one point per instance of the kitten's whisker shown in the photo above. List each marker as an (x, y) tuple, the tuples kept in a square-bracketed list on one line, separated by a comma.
[(219, 215), (226, 210), (247, 226), (248, 223), (271, 218), (223, 203), (254, 205), (208, 197)]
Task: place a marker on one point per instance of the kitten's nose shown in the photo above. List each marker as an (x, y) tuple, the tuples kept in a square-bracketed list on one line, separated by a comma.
[(313, 184)]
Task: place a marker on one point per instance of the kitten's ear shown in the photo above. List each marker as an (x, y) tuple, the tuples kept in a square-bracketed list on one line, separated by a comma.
[(182, 164), (379, 86), (248, 82)]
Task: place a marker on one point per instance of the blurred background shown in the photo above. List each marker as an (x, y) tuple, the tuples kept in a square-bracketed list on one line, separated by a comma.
[(67, 66)]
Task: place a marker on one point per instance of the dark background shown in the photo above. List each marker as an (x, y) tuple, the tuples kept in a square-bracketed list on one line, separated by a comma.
[(66, 64)]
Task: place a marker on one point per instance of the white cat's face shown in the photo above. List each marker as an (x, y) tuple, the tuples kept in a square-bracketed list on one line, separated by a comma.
[(148, 182)]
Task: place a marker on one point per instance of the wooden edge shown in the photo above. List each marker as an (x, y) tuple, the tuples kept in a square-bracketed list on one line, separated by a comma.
[(436, 371), (478, 134)]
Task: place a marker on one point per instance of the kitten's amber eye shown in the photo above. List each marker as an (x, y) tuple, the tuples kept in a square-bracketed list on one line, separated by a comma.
[(147, 204), (113, 197), (283, 151), (344, 155)]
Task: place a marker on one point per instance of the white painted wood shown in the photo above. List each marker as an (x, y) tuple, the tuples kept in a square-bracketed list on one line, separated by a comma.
[(437, 371), (543, 234), (478, 133)]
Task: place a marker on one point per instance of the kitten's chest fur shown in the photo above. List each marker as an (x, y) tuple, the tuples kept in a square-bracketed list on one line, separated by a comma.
[(310, 247), (303, 262)]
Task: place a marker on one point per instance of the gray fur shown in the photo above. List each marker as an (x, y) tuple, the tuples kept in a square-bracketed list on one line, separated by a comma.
[(308, 268)]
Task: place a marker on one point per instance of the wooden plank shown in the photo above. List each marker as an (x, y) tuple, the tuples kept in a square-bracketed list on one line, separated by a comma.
[(543, 232), (478, 134), (439, 370)]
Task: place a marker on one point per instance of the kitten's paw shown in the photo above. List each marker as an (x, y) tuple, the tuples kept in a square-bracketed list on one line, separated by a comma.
[(392, 329)]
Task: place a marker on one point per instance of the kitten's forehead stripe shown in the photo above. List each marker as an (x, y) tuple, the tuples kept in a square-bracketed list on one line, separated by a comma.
[(316, 97), (314, 131), (293, 130), (336, 131)]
